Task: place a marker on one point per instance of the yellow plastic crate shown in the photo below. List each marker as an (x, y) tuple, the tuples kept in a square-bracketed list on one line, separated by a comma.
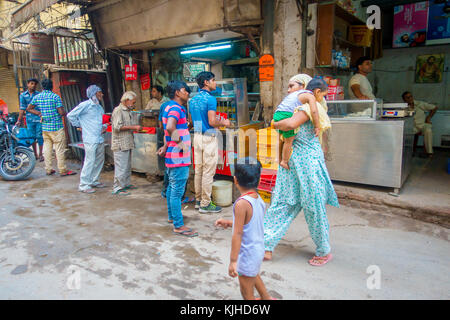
[(265, 195)]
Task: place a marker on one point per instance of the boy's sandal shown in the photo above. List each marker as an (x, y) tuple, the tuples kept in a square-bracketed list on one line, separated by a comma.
[(50, 173), (68, 173), (121, 192), (187, 233), (130, 187), (320, 261)]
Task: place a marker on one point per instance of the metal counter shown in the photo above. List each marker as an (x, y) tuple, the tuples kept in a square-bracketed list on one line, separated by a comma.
[(143, 157), (375, 152)]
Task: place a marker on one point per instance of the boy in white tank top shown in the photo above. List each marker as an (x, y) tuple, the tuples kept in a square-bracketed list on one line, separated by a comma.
[(247, 244)]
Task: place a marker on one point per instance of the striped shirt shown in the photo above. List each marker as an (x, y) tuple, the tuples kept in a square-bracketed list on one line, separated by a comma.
[(174, 154), (48, 103)]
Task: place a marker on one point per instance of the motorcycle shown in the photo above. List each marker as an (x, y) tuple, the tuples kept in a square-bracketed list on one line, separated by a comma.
[(17, 161)]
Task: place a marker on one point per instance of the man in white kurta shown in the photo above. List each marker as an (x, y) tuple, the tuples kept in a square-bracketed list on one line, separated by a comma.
[(422, 121)]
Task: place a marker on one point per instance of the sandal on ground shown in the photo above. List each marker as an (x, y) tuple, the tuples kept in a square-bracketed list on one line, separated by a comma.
[(50, 173), (320, 261), (41, 159), (121, 192), (100, 186), (131, 187), (187, 233), (68, 173), (188, 200), (88, 191)]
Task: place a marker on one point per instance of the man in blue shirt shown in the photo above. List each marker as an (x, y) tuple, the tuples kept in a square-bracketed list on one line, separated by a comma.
[(33, 121), (203, 108), (88, 116)]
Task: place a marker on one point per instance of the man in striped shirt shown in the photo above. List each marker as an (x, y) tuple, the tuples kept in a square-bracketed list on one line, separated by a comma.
[(48, 106), (177, 151)]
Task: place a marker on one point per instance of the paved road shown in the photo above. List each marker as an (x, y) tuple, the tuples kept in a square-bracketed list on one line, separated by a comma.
[(56, 243)]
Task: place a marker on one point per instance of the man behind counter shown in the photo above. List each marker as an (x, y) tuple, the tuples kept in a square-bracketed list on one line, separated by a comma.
[(422, 122), (158, 98), (359, 85)]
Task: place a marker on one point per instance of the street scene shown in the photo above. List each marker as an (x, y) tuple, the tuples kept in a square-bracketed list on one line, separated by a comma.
[(256, 150)]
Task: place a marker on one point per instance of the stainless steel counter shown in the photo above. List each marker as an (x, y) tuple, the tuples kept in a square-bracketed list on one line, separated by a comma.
[(375, 152)]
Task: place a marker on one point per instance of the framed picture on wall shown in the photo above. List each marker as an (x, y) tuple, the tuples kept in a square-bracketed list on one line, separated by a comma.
[(429, 68)]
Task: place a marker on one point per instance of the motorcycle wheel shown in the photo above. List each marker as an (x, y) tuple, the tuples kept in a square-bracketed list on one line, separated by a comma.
[(21, 168)]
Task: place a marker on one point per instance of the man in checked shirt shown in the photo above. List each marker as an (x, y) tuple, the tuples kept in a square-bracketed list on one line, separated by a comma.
[(50, 110)]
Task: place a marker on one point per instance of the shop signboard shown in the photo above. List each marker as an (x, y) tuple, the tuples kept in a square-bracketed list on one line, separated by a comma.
[(41, 48), (438, 22), (266, 68), (131, 72), (145, 81), (410, 25)]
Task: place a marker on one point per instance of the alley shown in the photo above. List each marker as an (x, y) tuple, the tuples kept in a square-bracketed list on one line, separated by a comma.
[(123, 248)]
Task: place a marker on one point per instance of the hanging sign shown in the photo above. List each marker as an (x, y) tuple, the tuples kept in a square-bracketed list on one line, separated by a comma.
[(145, 81), (41, 48), (266, 60), (266, 68), (131, 72)]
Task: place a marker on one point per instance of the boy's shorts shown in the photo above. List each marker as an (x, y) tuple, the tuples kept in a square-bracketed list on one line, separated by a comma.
[(282, 115)]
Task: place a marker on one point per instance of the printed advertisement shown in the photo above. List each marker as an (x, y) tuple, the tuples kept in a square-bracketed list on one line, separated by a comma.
[(410, 25)]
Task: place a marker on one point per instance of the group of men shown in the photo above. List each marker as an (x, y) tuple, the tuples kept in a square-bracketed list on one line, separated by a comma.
[(44, 111), (361, 89)]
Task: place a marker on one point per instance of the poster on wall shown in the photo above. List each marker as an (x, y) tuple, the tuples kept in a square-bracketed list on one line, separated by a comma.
[(429, 68), (438, 22), (410, 25)]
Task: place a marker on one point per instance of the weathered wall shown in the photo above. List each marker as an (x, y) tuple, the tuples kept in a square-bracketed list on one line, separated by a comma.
[(135, 21), (287, 47)]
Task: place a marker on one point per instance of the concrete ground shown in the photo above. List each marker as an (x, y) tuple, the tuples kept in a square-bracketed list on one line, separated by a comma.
[(56, 243), (428, 184)]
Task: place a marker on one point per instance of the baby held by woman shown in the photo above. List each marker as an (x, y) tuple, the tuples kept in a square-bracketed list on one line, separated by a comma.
[(307, 94)]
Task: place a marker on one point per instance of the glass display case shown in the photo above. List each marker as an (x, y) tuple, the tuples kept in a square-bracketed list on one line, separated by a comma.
[(354, 109)]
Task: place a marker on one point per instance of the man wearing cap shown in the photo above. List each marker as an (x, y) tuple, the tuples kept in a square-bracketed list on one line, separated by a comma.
[(88, 116), (34, 125)]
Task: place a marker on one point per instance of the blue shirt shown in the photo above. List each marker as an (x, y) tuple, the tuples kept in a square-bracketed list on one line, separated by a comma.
[(199, 107), (48, 103), (89, 117), (25, 99)]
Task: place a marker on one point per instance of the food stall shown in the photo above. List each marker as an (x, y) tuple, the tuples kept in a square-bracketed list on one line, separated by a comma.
[(371, 143), (232, 104)]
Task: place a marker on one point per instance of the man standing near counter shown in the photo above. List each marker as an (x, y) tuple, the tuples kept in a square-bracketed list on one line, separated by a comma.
[(359, 86), (157, 100), (422, 122), (202, 109)]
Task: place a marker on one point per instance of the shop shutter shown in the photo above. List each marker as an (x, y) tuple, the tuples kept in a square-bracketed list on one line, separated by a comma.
[(8, 90)]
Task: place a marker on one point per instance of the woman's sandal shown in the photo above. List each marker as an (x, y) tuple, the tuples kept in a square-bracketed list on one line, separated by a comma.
[(51, 173), (320, 261), (187, 233)]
